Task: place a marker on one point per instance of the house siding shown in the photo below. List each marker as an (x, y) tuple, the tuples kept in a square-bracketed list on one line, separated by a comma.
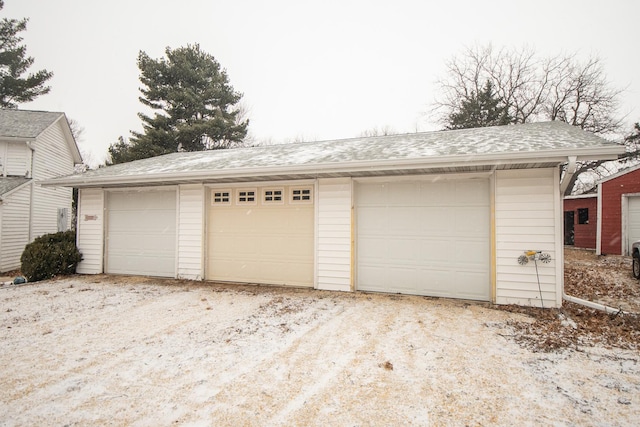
[(14, 227), (527, 210), (191, 232), (584, 234), (611, 193), (334, 238), (51, 158), (90, 230)]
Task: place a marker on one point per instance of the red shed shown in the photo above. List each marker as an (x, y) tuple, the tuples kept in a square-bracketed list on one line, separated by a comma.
[(580, 220), (618, 212)]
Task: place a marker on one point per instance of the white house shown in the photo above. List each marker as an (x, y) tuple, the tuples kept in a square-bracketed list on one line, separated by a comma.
[(439, 213), (34, 145)]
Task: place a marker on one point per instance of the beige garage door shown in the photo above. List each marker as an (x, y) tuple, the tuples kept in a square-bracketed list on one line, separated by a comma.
[(634, 221), (261, 235), (141, 233), (424, 238)]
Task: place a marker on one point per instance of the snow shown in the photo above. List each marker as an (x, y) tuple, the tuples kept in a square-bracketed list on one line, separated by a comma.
[(137, 351)]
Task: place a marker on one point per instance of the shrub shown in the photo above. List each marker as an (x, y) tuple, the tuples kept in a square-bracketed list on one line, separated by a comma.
[(50, 255)]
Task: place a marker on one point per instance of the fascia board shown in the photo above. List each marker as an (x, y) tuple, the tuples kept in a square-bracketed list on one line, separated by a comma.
[(547, 156)]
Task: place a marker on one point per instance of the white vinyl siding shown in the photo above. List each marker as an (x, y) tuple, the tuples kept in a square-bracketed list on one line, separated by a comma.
[(90, 230), (334, 234), (14, 227), (191, 232), (51, 158), (526, 218)]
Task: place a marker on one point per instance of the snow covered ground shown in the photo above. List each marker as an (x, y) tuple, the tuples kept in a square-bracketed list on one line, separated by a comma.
[(134, 351)]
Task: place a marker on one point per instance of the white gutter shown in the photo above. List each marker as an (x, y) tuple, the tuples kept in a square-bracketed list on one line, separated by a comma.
[(556, 156)]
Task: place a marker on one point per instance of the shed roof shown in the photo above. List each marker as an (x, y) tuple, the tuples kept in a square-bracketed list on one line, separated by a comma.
[(620, 173), (526, 145)]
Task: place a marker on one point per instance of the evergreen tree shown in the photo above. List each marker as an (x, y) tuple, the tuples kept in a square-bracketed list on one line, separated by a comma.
[(480, 109), (14, 63), (196, 106)]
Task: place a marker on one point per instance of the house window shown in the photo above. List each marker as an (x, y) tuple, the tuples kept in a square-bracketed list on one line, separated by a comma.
[(272, 195), (221, 197), (246, 197), (301, 195), (583, 216)]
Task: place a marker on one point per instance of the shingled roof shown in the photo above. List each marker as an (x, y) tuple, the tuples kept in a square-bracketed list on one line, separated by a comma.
[(537, 144), (8, 184), (25, 124)]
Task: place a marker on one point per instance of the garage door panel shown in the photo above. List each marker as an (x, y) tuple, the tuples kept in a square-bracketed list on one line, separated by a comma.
[(375, 277), (634, 220), (440, 221), (431, 240), (402, 193), (436, 194), (371, 194), (471, 222), (372, 219), (140, 220), (471, 253), (472, 192), (268, 243), (141, 233), (436, 251)]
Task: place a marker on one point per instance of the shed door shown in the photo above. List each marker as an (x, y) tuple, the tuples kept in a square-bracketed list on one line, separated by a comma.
[(634, 221), (424, 238), (261, 235), (141, 233)]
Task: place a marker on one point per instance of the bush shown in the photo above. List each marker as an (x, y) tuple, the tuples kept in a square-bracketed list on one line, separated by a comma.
[(50, 255)]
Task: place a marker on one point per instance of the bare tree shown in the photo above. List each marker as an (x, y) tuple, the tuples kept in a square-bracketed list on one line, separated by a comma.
[(378, 131), (534, 88)]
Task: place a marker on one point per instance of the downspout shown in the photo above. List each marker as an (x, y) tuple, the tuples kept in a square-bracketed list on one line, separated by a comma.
[(571, 170), (607, 309), (33, 150)]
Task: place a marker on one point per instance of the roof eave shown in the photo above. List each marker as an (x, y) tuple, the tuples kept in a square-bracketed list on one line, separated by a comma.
[(549, 156)]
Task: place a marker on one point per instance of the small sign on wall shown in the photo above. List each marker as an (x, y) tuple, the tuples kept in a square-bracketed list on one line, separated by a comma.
[(90, 217)]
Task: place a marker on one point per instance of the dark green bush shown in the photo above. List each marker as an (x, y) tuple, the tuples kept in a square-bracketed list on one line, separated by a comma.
[(50, 255)]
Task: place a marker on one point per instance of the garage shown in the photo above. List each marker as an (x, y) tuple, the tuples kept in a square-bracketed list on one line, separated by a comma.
[(141, 232), (261, 234), (634, 220), (424, 237)]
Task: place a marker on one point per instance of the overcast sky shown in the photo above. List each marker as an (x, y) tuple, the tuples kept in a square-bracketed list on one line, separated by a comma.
[(308, 69)]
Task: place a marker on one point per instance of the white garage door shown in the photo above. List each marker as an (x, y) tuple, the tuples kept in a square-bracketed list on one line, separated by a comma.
[(424, 238), (634, 221), (141, 233), (261, 235)]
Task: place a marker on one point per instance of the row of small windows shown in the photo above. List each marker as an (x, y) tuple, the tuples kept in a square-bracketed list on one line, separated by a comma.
[(269, 196)]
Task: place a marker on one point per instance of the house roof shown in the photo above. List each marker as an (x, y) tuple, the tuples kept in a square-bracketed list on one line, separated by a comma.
[(28, 125), (25, 124), (8, 184), (527, 145)]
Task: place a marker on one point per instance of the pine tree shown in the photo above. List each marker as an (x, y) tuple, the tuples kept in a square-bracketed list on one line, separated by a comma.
[(480, 109), (14, 63), (196, 106)]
